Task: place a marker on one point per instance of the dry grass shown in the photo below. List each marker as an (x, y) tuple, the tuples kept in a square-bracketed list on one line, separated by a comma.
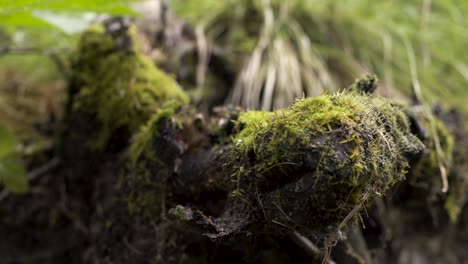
[(286, 49)]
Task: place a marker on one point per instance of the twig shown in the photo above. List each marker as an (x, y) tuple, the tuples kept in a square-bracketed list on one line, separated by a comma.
[(131, 247), (353, 212), (310, 247), (53, 163), (440, 155), (419, 98), (281, 224), (203, 50)]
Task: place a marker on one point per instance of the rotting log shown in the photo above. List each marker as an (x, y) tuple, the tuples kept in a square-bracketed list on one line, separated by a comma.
[(148, 179), (185, 179)]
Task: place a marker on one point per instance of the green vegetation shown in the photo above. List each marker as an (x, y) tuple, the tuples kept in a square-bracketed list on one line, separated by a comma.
[(136, 168), (413, 46), (36, 39), (12, 173), (27, 12), (436, 156), (151, 160), (123, 88), (354, 146), (432, 172)]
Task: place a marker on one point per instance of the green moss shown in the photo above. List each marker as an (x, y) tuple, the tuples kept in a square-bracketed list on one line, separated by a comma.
[(426, 173), (453, 207), (152, 155), (142, 140), (314, 162), (428, 167), (252, 122), (125, 96), (366, 84), (145, 203), (118, 87), (151, 162)]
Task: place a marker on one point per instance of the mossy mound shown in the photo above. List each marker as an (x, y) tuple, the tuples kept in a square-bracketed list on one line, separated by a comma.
[(313, 163), (117, 84)]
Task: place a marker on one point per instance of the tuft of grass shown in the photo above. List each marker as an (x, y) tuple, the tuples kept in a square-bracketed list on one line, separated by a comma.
[(285, 49)]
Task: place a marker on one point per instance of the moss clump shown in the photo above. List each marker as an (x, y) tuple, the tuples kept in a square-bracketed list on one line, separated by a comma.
[(426, 173), (366, 84), (428, 166), (141, 144), (152, 160), (152, 157), (313, 163), (118, 86)]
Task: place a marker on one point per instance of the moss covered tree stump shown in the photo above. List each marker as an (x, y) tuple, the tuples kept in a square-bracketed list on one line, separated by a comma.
[(192, 188)]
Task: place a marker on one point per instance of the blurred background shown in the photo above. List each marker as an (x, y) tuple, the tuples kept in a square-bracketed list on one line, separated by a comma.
[(259, 54)]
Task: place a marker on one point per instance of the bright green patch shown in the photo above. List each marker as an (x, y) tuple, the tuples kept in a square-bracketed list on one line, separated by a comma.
[(322, 156), (142, 140), (12, 172), (121, 88)]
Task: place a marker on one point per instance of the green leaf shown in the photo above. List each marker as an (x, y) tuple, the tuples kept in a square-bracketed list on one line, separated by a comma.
[(69, 23), (98, 6), (18, 5), (102, 6), (24, 12), (22, 19), (8, 142), (13, 174)]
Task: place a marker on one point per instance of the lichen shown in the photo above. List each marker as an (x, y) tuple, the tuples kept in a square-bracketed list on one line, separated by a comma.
[(121, 88), (313, 163)]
